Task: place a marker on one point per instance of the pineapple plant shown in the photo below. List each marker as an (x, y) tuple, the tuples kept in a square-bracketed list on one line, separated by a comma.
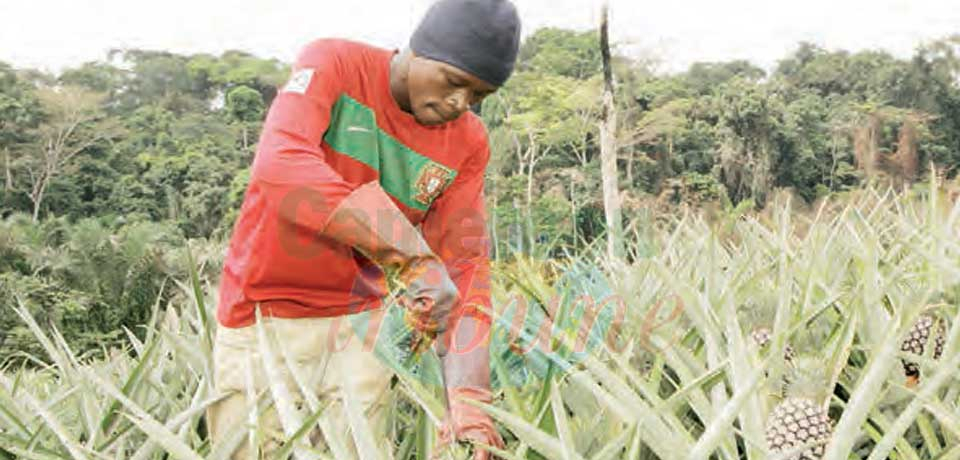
[(916, 340), (799, 424)]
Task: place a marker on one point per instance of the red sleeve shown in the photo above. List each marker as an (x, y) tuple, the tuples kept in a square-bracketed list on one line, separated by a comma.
[(289, 166), (455, 228)]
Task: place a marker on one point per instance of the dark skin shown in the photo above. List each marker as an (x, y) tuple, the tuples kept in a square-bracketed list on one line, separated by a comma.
[(434, 92)]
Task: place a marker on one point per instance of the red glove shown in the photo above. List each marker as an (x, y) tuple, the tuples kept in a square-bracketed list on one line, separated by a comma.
[(465, 422)]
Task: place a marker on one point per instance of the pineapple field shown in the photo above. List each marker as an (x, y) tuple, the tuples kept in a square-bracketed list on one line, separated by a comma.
[(826, 333), (695, 254)]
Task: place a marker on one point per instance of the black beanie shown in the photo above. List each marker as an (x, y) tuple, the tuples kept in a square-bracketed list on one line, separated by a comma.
[(481, 37)]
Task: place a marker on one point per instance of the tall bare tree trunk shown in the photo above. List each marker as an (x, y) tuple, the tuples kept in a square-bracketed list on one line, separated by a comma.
[(608, 146), (532, 237), (36, 195), (517, 226), (41, 179), (6, 167), (573, 210), (36, 207)]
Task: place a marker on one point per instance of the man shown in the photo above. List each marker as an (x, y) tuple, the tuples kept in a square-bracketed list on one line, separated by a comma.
[(369, 163)]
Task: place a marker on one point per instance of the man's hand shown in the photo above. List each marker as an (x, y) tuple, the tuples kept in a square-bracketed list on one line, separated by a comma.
[(465, 422), (429, 297), (369, 221)]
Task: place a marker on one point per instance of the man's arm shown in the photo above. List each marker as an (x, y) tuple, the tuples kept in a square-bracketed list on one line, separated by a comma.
[(310, 199), (456, 229)]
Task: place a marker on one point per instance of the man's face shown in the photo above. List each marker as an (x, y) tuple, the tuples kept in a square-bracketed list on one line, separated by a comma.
[(440, 92)]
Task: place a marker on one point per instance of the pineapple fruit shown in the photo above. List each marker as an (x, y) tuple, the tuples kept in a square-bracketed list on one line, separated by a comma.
[(916, 341), (800, 419)]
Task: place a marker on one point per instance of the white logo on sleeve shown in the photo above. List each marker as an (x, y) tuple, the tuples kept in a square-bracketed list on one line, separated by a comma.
[(299, 82)]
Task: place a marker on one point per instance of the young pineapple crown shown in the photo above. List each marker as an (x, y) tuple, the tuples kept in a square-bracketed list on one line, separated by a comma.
[(759, 313), (809, 379)]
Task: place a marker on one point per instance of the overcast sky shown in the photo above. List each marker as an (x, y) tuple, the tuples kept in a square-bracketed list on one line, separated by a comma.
[(53, 34)]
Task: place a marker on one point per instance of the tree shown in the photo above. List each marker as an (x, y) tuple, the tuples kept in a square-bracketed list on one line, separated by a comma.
[(162, 78), (810, 145), (18, 113), (74, 122), (608, 145), (935, 79), (99, 77), (540, 116), (749, 119), (886, 138), (704, 77), (237, 68), (245, 106), (661, 125), (561, 52)]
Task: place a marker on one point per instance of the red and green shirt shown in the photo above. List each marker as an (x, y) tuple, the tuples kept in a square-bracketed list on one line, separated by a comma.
[(333, 127)]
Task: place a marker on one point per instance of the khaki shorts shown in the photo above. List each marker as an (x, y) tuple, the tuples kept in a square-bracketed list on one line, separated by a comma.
[(330, 359)]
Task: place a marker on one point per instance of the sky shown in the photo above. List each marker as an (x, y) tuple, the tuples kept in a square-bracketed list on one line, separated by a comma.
[(57, 34)]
